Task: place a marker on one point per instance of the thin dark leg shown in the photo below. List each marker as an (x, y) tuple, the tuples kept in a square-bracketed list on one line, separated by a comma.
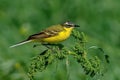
[(36, 45), (49, 45)]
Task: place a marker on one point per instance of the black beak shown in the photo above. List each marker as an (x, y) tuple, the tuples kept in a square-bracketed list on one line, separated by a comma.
[(76, 26)]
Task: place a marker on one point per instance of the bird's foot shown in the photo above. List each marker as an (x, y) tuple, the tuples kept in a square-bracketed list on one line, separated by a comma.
[(36, 45)]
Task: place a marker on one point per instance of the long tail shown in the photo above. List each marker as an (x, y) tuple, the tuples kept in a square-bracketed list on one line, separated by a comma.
[(21, 43)]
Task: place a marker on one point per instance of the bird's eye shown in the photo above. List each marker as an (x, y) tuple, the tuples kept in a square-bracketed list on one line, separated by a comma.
[(68, 25)]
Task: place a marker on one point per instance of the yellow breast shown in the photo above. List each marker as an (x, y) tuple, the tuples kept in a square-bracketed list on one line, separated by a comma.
[(63, 35)]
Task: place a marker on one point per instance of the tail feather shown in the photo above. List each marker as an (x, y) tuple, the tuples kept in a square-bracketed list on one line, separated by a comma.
[(21, 43)]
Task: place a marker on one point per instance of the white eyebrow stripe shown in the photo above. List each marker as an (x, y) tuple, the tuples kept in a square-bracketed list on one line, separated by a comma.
[(54, 32)]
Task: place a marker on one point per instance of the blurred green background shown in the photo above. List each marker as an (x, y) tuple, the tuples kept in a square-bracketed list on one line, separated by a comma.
[(99, 20)]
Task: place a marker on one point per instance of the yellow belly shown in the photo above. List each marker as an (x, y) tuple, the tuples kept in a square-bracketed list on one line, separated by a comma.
[(58, 38)]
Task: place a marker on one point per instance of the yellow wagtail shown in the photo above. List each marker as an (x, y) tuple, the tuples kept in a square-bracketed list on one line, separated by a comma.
[(53, 34)]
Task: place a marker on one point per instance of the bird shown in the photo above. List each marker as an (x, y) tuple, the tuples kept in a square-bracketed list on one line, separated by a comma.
[(51, 35)]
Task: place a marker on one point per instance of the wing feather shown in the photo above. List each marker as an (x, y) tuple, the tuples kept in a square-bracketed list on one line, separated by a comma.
[(49, 32)]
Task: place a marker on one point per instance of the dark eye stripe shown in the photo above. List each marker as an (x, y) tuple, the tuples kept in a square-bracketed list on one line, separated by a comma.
[(69, 25)]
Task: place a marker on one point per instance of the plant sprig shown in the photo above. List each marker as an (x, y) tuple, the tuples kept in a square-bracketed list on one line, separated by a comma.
[(91, 66)]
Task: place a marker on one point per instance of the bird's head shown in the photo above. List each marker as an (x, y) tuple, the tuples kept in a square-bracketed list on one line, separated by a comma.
[(69, 25)]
